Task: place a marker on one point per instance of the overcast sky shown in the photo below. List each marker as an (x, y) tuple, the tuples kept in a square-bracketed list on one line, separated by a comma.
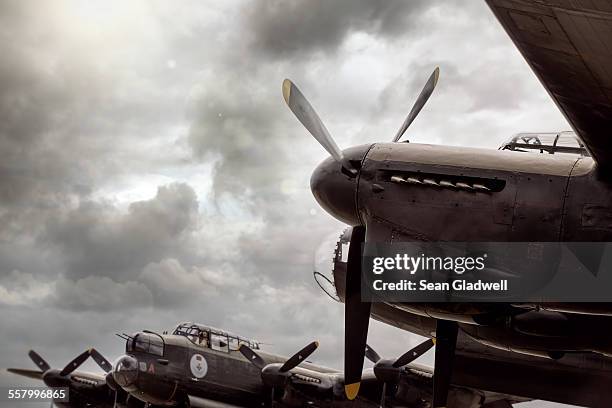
[(151, 172)]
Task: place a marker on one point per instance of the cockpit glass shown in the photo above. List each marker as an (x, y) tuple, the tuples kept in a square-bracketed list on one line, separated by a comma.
[(563, 143), (140, 344), (219, 342), (146, 343), (332, 250), (233, 343), (212, 338)]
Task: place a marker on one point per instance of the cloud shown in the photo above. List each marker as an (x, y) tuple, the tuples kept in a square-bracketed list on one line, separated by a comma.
[(234, 123), (97, 293), (172, 284), (98, 239), (100, 294), (23, 289), (283, 28)]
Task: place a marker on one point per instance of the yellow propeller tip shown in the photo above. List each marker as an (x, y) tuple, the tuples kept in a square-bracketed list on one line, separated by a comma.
[(436, 75), (287, 90), (316, 343), (351, 390), (434, 341)]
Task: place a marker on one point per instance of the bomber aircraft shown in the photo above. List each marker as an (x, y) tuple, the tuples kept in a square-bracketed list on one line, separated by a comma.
[(200, 366), (391, 191)]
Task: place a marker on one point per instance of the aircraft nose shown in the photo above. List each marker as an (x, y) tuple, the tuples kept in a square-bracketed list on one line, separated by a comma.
[(125, 372), (334, 189)]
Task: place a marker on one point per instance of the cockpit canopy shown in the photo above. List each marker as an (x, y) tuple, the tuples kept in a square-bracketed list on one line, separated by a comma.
[(332, 252), (210, 337), (145, 342), (551, 143)]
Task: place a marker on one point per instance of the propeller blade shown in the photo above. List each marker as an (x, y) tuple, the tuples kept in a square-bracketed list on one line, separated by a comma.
[(39, 361), (371, 354), (306, 114), (413, 354), (446, 342), (37, 375), (252, 356), (101, 361), (75, 363), (356, 317), (298, 357), (426, 92)]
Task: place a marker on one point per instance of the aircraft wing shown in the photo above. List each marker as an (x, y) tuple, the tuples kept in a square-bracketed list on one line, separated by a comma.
[(84, 377), (35, 374), (85, 388), (420, 375), (578, 378), (419, 379), (567, 44)]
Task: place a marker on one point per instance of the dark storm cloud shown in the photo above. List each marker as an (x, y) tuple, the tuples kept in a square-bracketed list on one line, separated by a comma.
[(100, 294), (283, 28), (172, 284), (74, 120), (237, 121), (482, 88), (33, 104), (97, 239), (66, 129)]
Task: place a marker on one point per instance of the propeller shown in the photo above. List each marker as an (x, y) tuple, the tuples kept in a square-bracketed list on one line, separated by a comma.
[(298, 357), (252, 356), (276, 374), (38, 360), (75, 363), (372, 355), (303, 110), (81, 358), (388, 371), (306, 114), (446, 343), (414, 353), (356, 312), (55, 378), (422, 99), (356, 317), (69, 368)]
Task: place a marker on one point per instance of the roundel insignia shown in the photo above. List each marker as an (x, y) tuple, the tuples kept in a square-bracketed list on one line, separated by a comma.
[(198, 365)]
